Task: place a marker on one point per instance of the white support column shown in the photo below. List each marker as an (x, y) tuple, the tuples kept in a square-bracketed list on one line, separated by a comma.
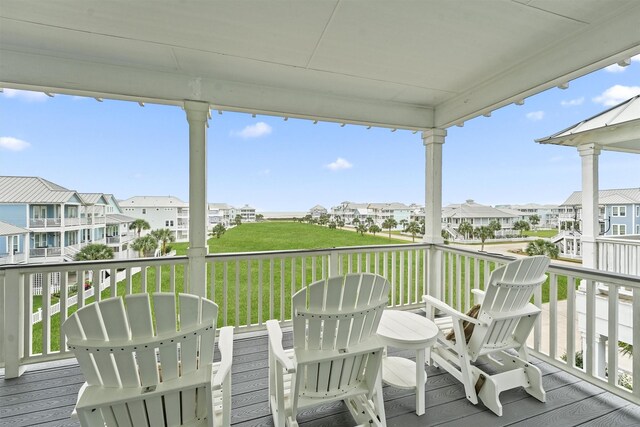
[(590, 226), (197, 116), (433, 140)]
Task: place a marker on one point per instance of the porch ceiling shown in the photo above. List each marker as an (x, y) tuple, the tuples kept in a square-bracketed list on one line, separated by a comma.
[(410, 64)]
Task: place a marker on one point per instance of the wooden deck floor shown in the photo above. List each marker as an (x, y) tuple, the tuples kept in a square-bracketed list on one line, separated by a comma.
[(46, 393)]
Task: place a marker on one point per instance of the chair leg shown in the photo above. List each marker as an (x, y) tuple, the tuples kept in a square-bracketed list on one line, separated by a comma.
[(535, 383), (490, 395)]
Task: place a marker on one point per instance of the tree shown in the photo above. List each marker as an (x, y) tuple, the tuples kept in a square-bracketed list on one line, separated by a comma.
[(521, 226), (259, 217), (390, 223), (145, 245), (218, 230), (404, 223), (413, 228), (238, 220), (139, 225), (332, 225), (542, 247), (355, 221), (308, 218), (375, 229), (483, 233), (361, 228), (94, 252), (369, 221), (339, 222), (534, 220), (465, 229), (495, 226), (324, 219), (163, 235)]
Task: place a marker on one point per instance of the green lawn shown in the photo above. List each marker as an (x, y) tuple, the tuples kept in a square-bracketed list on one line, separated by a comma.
[(540, 233)]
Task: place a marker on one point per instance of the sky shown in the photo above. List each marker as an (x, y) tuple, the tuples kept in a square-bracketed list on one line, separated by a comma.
[(121, 148)]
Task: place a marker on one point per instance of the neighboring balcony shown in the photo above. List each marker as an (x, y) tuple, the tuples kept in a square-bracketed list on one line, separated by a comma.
[(52, 251)]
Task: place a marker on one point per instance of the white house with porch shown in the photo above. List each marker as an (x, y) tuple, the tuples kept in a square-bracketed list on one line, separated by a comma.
[(160, 212), (417, 66)]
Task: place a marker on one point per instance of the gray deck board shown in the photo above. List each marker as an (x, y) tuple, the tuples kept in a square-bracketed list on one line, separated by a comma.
[(46, 393)]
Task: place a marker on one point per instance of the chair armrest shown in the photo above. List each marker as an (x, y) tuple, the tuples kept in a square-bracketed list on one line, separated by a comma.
[(275, 346), (478, 295), (429, 300), (225, 345)]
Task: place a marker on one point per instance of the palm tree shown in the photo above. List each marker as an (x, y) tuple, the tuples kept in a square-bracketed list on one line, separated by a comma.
[(483, 233), (339, 222), (324, 219), (369, 221), (218, 230), (413, 228), (404, 223), (145, 245), (534, 220), (521, 226), (93, 252), (332, 225), (375, 229), (390, 223), (361, 228), (163, 235), (465, 229), (542, 247), (259, 217), (237, 220), (139, 225), (355, 221)]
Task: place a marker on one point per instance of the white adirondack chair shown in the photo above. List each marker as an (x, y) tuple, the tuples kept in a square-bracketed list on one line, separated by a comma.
[(336, 353), (504, 322), (140, 377)]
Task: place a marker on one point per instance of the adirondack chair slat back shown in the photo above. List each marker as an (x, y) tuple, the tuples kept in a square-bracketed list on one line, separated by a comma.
[(117, 346), (335, 315), (509, 290)]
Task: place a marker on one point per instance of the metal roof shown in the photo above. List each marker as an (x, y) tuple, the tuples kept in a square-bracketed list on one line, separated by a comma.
[(93, 198), (616, 129), (153, 201), (470, 209), (119, 219), (607, 197), (399, 64), (7, 229), (26, 189)]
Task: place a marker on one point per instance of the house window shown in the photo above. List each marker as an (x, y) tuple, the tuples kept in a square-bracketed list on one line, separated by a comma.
[(619, 211), (637, 210), (168, 223), (619, 229), (144, 211)]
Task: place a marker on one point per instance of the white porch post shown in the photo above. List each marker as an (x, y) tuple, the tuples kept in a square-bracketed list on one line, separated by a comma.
[(590, 226), (433, 140), (197, 116)]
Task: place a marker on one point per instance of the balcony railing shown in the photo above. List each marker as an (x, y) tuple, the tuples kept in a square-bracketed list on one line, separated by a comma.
[(45, 252), (251, 288)]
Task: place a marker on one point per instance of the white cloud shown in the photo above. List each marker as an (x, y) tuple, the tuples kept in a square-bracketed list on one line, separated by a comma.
[(535, 115), (13, 144), (616, 94), (25, 95), (615, 68), (339, 164), (556, 159), (573, 102), (253, 131)]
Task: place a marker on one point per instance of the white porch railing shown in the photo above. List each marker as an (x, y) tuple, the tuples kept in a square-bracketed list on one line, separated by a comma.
[(620, 254), (251, 288)]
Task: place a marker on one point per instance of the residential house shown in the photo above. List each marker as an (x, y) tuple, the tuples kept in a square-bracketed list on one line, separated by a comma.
[(349, 211), (383, 211), (477, 215), (618, 215), (247, 213), (317, 211), (14, 242), (160, 212), (548, 214), (119, 234), (53, 215)]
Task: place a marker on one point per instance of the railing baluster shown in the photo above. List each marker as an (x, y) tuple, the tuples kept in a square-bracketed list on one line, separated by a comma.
[(449, 281), (282, 290), (467, 283), (402, 285), (143, 279), (314, 260), (571, 320), (225, 289), (260, 292), (46, 316), (64, 296), (636, 339), (537, 331), (249, 299), (393, 279), (271, 287), (158, 273), (590, 347), (459, 283), (28, 318), (237, 294), (410, 294), (129, 281), (612, 335), (553, 316), (113, 276)]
